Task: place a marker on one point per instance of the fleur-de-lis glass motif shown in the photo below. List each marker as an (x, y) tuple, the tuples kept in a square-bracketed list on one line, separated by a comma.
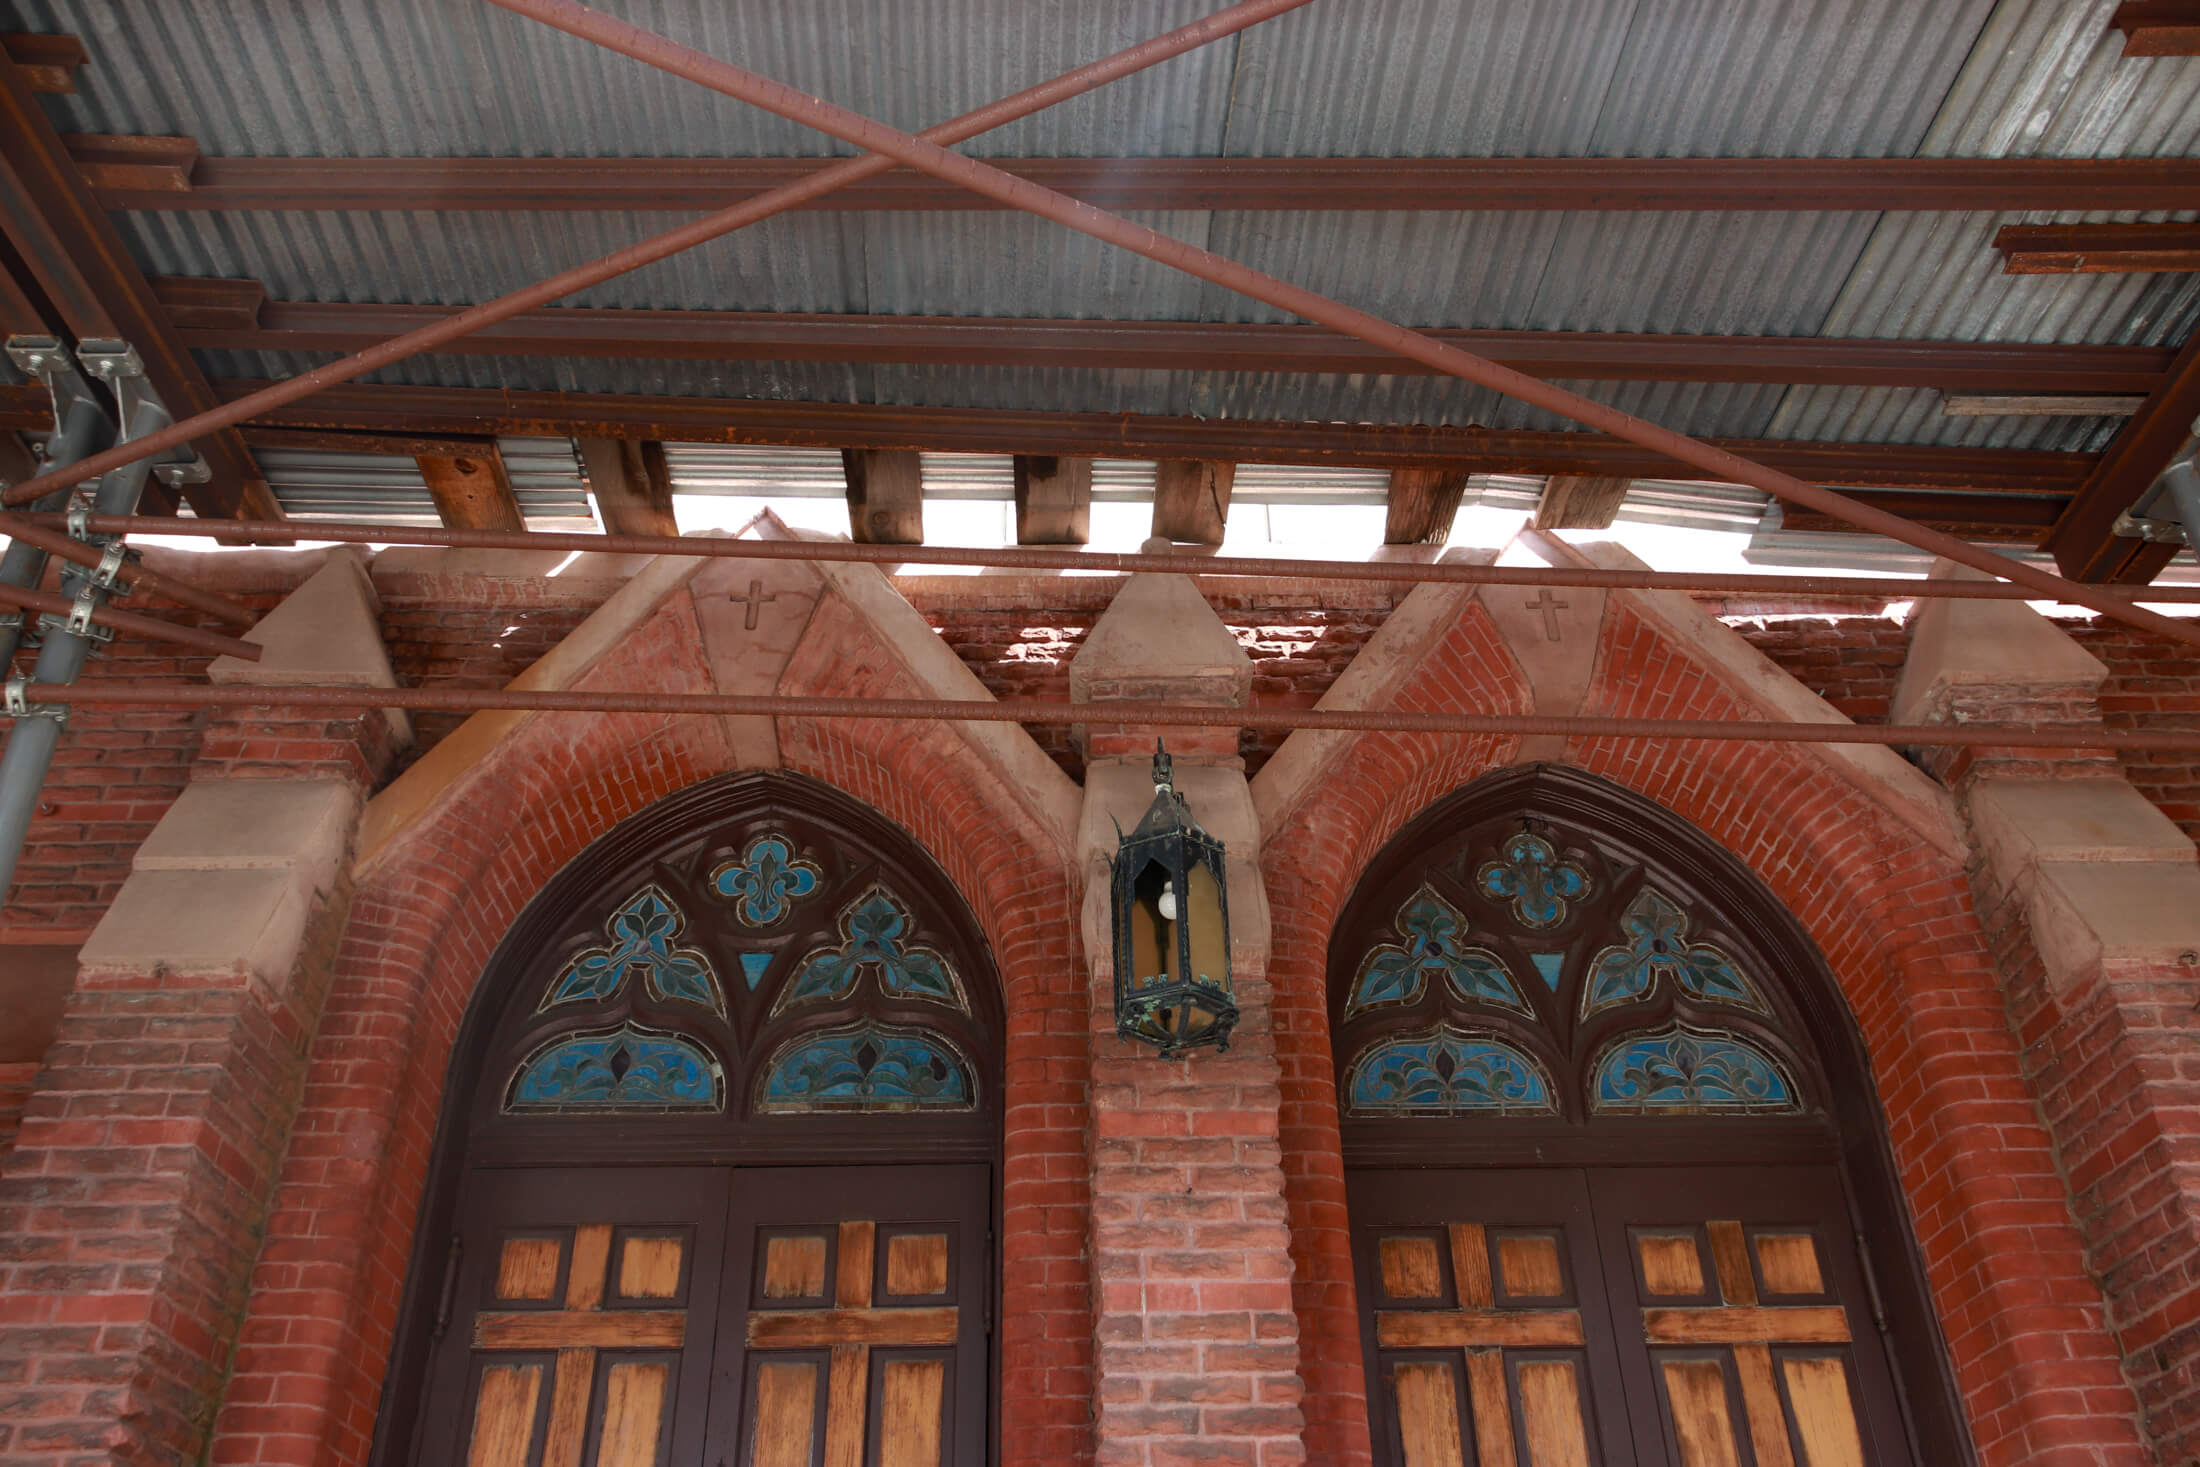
[(1433, 931), (1529, 871), (765, 881), (1657, 946), (1679, 1069), (872, 931), (644, 933)]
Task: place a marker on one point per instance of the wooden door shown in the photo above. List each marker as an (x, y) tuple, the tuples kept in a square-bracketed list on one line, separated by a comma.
[(1482, 1300), (1668, 1317), (1743, 1312), (577, 1322), (864, 1335)]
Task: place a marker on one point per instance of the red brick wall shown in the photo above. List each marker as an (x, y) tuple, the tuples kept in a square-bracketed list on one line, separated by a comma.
[(15, 1091), (438, 644)]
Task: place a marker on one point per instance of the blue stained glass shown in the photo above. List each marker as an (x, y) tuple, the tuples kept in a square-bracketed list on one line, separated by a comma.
[(872, 929), (1445, 1071), (1433, 929), (754, 964), (644, 933), (628, 1068), (1551, 966), (1529, 871), (867, 1066), (1692, 1071), (1657, 945), (766, 879)]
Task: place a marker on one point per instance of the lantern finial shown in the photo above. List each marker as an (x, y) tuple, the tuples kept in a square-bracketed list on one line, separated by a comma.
[(1163, 768)]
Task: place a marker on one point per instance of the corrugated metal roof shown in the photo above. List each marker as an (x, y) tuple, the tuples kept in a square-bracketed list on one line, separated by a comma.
[(318, 484)]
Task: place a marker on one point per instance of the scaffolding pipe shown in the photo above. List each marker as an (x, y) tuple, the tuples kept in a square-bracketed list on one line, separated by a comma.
[(41, 537), (61, 656), (1018, 193), (1031, 557), (1112, 715), (28, 599), (80, 423), (749, 211)]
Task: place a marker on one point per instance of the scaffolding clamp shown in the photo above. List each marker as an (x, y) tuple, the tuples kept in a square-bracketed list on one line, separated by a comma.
[(117, 364), (18, 703), (88, 599)]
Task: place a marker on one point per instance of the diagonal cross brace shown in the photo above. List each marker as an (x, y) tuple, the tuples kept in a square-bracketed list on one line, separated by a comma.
[(749, 211), (1006, 188)]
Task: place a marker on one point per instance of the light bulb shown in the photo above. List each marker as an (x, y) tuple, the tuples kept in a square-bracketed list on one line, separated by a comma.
[(1167, 904)]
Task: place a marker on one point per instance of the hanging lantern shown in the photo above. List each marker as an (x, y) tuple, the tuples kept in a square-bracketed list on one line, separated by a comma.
[(1172, 928)]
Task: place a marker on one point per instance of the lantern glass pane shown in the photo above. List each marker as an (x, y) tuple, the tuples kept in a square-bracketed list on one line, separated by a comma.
[(1153, 937), (1210, 938)]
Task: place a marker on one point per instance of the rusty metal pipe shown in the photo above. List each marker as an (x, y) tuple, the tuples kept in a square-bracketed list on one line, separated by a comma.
[(1107, 715), (994, 183), (27, 599), (16, 527), (1031, 557), (749, 211)]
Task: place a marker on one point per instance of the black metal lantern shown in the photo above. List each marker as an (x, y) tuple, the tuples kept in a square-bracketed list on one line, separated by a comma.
[(1172, 928)]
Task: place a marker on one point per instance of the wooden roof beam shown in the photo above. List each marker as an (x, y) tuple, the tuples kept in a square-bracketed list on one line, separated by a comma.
[(2159, 27), (2098, 249), (632, 484), (885, 496), (1725, 184), (472, 491), (1422, 505), (1053, 499), (1191, 499), (1580, 502)]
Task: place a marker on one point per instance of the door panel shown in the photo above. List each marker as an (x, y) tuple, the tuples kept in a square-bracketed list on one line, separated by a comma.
[(1484, 1346), (864, 1338), (1694, 1317), (579, 1319)]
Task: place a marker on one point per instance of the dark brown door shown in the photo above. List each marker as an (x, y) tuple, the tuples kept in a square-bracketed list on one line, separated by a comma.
[(1694, 1317), (766, 1317)]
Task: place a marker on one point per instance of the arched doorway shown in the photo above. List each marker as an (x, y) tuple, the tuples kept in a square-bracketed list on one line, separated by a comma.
[(715, 1179), (1617, 1175)]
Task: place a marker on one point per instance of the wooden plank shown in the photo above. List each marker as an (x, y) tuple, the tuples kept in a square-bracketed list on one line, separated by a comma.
[(916, 1265), (1530, 1267), (847, 1404), (49, 62), (1489, 1399), (527, 1268), (1191, 499), (1576, 502), (649, 1267), (1411, 1268), (548, 1329), (632, 484), (786, 1414), (1788, 1263), (794, 1266), (1703, 1417), (591, 1263), (2011, 405), (633, 1414), (1427, 1394), (1761, 1403), (885, 496), (1470, 1265), (912, 1402), (1825, 1414), (2159, 27), (1826, 1325), (2098, 249), (571, 1385), (1457, 1329), (854, 1269), (815, 1329), (393, 407), (504, 1416), (2084, 540), (1053, 499), (472, 491), (1551, 1415), (1935, 185), (1423, 503), (1671, 1263), (1730, 1256)]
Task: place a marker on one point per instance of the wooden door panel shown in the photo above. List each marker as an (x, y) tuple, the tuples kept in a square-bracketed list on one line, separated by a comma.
[(580, 1319), (1484, 1321), (1739, 1300), (865, 1337)]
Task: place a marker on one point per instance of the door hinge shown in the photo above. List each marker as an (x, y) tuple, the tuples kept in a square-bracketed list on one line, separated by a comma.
[(1871, 1283), (450, 1287), (991, 1264)]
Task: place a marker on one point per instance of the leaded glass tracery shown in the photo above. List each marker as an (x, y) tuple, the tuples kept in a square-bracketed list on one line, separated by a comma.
[(866, 1066), (1435, 934), (627, 1068), (645, 933), (1447, 1072)]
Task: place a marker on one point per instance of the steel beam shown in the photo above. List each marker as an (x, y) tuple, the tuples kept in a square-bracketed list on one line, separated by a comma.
[(2098, 249), (2084, 540), (1168, 715), (860, 131), (1438, 184), (225, 315), (2159, 27)]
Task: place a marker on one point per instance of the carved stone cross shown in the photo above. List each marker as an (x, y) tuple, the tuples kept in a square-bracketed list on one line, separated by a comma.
[(1544, 602), (754, 602)]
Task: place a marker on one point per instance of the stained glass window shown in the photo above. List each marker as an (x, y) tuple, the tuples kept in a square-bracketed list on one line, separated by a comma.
[(1679, 1070), (1434, 934), (1445, 1071), (874, 931), (644, 932), (866, 1066), (1530, 872), (766, 880), (1656, 946), (624, 1069)]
